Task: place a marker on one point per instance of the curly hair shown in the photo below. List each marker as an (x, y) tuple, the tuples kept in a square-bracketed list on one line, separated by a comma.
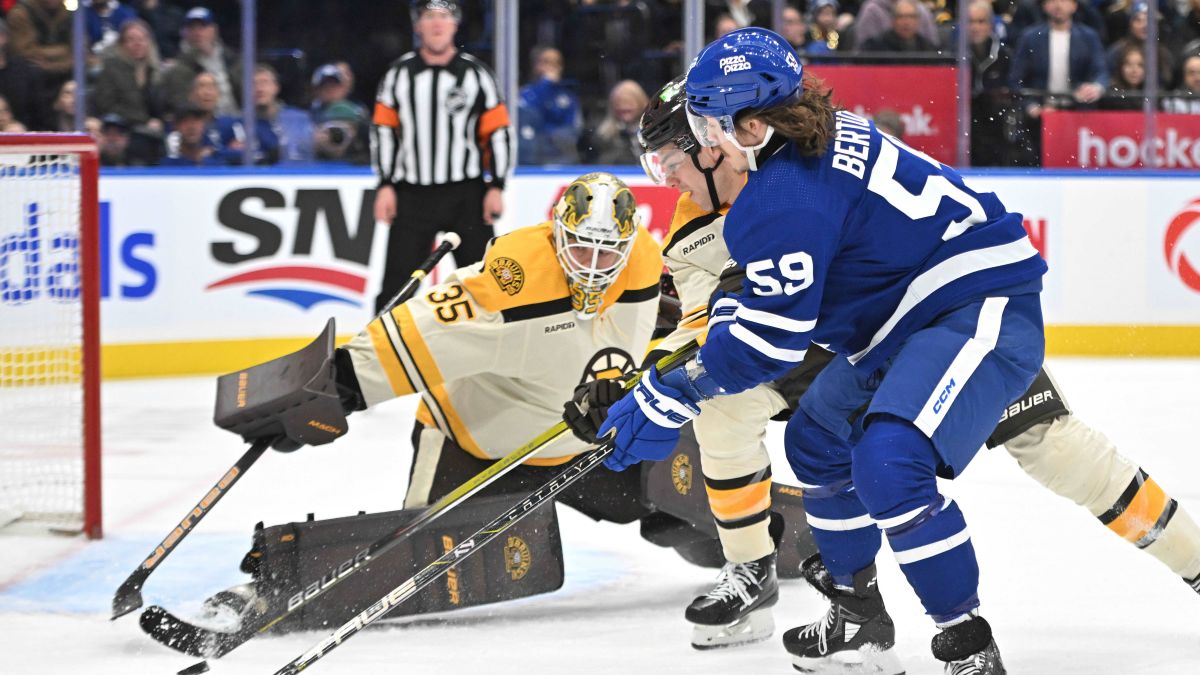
[(808, 122)]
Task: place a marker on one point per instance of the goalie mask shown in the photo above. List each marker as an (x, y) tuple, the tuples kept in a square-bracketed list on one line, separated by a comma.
[(595, 223)]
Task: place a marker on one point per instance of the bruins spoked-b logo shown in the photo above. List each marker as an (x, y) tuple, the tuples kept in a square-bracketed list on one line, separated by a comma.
[(517, 558), (681, 473), (508, 274), (607, 363)]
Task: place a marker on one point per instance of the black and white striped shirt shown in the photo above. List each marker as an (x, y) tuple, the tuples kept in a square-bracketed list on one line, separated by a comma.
[(440, 124)]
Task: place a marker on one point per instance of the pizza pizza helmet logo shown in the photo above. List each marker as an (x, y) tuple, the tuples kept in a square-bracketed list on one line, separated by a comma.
[(1177, 260), (508, 273)]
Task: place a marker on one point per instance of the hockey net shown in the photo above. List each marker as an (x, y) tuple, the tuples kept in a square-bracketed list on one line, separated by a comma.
[(49, 333)]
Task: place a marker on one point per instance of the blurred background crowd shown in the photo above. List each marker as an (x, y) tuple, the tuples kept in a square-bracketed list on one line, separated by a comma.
[(163, 77)]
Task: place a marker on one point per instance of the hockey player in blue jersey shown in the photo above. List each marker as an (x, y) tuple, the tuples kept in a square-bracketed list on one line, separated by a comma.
[(850, 239)]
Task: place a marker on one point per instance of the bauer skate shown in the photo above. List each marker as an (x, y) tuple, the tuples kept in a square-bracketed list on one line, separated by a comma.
[(968, 649), (856, 636), (738, 609)]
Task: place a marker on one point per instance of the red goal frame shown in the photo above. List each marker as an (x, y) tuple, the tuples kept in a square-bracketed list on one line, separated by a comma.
[(89, 273)]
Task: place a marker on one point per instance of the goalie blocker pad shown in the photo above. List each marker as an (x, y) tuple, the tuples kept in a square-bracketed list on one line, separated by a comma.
[(294, 397), (1040, 403), (675, 486), (526, 560)]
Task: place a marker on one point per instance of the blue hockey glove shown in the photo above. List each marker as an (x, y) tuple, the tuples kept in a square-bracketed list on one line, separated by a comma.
[(647, 419)]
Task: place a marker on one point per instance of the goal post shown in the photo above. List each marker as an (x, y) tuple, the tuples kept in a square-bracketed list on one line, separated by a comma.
[(50, 332)]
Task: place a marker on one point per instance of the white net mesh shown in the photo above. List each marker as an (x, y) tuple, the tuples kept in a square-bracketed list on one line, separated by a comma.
[(41, 338)]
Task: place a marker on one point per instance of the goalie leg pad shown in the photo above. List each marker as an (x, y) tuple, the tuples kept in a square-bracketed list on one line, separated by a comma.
[(679, 495), (295, 559)]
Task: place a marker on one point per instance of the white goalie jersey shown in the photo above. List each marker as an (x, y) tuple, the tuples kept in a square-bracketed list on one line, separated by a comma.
[(496, 349)]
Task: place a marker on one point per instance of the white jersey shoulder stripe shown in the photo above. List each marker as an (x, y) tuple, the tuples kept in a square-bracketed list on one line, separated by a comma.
[(760, 345), (774, 320)]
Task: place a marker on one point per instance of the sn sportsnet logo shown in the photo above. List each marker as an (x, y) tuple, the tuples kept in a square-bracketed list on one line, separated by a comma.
[(732, 64), (261, 220)]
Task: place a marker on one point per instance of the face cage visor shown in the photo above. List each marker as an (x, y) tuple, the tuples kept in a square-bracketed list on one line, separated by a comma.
[(591, 266), (661, 164), (709, 130)]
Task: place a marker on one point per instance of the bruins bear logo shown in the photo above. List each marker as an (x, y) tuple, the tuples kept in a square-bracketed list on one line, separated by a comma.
[(508, 275), (576, 204), (517, 558), (681, 474), (608, 362)]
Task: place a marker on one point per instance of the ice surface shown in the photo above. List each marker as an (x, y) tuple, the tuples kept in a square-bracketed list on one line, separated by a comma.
[(1064, 595)]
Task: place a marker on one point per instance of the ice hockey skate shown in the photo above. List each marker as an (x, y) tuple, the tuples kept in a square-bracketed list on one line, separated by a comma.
[(738, 608), (968, 649), (855, 636)]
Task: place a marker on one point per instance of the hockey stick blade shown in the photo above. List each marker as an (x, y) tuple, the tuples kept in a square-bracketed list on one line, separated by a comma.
[(129, 596), (173, 632)]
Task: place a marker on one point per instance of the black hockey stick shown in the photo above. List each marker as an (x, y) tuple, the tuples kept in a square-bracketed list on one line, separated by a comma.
[(129, 595), (450, 559), (180, 635)]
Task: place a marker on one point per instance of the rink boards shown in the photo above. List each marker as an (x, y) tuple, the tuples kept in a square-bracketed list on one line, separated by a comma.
[(212, 270)]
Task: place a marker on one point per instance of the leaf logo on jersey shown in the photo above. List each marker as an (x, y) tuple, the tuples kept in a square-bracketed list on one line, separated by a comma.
[(517, 558), (508, 274), (609, 362), (681, 473)]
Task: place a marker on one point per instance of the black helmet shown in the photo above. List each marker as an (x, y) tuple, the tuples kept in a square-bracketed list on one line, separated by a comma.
[(665, 119)]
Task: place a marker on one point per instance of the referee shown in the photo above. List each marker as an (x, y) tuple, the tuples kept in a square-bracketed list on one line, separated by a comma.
[(440, 146)]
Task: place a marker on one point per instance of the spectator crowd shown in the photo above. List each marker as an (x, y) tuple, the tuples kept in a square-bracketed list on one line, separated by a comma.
[(163, 87)]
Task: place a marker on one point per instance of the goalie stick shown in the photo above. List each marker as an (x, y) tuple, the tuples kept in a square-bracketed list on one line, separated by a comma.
[(128, 596), (182, 636)]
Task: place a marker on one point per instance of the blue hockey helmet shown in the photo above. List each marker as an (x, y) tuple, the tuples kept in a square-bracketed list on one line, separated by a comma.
[(746, 69)]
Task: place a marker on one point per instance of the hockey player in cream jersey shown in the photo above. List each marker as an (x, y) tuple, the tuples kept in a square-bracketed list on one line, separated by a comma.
[(493, 351), (496, 348)]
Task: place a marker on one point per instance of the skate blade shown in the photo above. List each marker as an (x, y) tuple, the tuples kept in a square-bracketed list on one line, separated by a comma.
[(754, 627), (865, 661)]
